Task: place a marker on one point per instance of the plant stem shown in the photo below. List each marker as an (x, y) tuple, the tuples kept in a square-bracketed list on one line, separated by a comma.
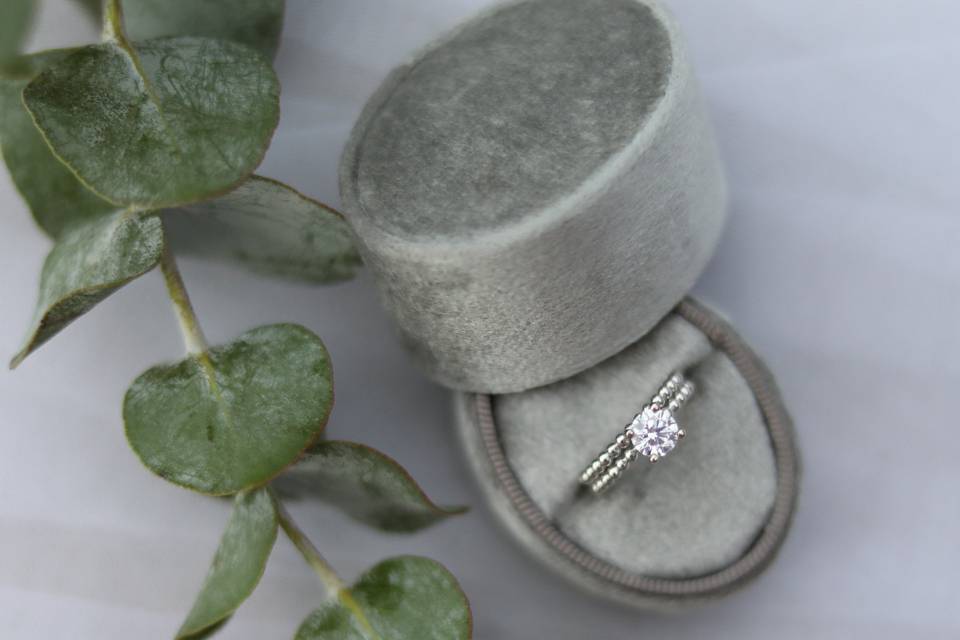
[(317, 562), (113, 21), (192, 333)]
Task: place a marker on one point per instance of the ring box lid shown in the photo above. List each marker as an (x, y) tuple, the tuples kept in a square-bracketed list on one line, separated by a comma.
[(536, 190)]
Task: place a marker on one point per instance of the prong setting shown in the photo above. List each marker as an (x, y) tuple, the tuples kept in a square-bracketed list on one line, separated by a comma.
[(652, 434)]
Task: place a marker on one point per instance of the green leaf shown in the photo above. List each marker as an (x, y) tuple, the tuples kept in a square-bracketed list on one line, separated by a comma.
[(233, 417), (368, 485), (55, 197), (238, 564), (16, 17), (165, 123), (405, 598), (270, 228), (91, 260), (257, 23)]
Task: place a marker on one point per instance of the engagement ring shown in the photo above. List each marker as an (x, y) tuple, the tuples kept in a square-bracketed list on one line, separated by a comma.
[(653, 433)]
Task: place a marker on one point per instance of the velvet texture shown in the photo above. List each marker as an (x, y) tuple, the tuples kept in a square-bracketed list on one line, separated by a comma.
[(535, 191), (691, 515)]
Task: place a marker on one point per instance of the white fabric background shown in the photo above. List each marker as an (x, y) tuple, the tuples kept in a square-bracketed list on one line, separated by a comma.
[(838, 120)]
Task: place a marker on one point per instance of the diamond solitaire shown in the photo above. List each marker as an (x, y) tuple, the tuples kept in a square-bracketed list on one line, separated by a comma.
[(652, 434)]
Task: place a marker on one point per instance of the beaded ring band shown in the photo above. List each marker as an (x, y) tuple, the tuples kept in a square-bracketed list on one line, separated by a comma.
[(653, 433)]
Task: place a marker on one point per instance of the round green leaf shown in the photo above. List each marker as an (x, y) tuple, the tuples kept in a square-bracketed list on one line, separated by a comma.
[(270, 228), (91, 260), (368, 485), (238, 564), (55, 197), (235, 416), (257, 23), (405, 598), (167, 122)]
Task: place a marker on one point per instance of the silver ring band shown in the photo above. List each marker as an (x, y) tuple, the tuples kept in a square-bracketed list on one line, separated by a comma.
[(652, 434)]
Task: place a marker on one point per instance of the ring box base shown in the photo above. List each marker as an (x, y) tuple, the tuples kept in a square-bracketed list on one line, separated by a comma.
[(703, 521)]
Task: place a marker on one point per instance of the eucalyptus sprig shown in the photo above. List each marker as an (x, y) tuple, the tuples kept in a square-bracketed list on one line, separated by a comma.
[(158, 130)]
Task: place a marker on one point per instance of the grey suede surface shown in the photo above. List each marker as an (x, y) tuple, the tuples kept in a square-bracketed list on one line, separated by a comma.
[(448, 155), (693, 513), (536, 190)]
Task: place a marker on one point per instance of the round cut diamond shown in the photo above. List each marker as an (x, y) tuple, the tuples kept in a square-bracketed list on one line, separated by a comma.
[(654, 432)]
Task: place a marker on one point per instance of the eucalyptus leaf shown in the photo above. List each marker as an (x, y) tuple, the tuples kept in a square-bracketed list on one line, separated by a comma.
[(160, 124), (405, 598), (368, 485), (238, 564), (15, 19), (209, 632), (235, 416), (257, 23), (271, 229), (91, 260), (55, 197)]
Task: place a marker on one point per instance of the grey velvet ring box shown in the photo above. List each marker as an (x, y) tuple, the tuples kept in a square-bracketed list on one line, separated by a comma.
[(535, 194)]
